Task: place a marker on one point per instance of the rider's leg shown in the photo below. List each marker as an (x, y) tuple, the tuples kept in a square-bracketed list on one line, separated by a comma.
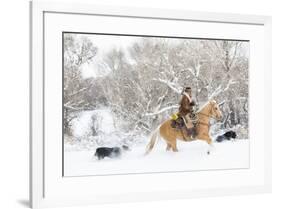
[(190, 127), (188, 121)]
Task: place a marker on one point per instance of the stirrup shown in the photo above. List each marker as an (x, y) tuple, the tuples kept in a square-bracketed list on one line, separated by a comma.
[(192, 136)]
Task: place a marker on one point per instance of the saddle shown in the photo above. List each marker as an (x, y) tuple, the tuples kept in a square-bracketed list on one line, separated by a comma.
[(178, 123)]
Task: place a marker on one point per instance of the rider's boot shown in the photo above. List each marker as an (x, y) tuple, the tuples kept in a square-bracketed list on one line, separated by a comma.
[(190, 127)]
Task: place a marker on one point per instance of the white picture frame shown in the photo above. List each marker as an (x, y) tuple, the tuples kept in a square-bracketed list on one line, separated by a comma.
[(44, 181)]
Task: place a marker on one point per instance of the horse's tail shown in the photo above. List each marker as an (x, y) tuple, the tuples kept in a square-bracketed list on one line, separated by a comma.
[(153, 139)]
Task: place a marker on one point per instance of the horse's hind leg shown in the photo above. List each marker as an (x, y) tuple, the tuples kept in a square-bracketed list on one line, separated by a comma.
[(169, 135), (168, 147), (174, 146)]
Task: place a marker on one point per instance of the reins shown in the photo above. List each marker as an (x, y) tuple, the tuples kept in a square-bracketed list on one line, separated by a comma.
[(207, 115), (202, 123)]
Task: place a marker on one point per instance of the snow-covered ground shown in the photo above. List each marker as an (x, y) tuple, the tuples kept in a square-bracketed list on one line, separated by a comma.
[(191, 157)]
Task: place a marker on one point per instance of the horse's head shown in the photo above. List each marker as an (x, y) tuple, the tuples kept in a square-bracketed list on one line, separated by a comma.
[(215, 111)]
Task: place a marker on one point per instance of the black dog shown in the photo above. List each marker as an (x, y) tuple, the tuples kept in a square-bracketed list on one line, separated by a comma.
[(226, 136), (111, 152)]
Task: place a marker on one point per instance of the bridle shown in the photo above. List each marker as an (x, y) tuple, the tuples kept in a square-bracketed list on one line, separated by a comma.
[(209, 115)]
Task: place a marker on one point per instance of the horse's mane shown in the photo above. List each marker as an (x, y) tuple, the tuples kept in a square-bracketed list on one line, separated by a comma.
[(205, 104)]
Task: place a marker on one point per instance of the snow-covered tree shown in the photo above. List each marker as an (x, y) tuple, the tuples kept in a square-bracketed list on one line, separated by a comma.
[(77, 51), (143, 83)]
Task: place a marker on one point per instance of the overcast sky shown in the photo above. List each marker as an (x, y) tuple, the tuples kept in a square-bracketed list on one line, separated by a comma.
[(105, 43)]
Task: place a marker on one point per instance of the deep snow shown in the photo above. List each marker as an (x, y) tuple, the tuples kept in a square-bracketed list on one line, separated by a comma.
[(192, 156)]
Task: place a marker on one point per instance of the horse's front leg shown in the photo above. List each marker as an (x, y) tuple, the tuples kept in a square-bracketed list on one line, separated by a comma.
[(209, 141), (211, 147)]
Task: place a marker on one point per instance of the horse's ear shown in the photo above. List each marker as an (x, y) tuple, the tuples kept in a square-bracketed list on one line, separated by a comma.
[(221, 104), (213, 102)]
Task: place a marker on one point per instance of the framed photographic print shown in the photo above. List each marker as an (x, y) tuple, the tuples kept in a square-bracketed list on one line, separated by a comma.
[(135, 105)]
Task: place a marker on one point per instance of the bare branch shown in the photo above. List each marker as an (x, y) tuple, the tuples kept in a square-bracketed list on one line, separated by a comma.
[(219, 89), (170, 85), (162, 110)]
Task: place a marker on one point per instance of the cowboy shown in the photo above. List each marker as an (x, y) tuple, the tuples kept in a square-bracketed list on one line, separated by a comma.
[(186, 109)]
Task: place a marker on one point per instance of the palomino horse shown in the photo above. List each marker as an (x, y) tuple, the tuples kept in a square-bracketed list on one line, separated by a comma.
[(170, 135)]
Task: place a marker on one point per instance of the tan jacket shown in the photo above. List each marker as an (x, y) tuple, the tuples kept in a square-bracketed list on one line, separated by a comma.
[(186, 104)]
